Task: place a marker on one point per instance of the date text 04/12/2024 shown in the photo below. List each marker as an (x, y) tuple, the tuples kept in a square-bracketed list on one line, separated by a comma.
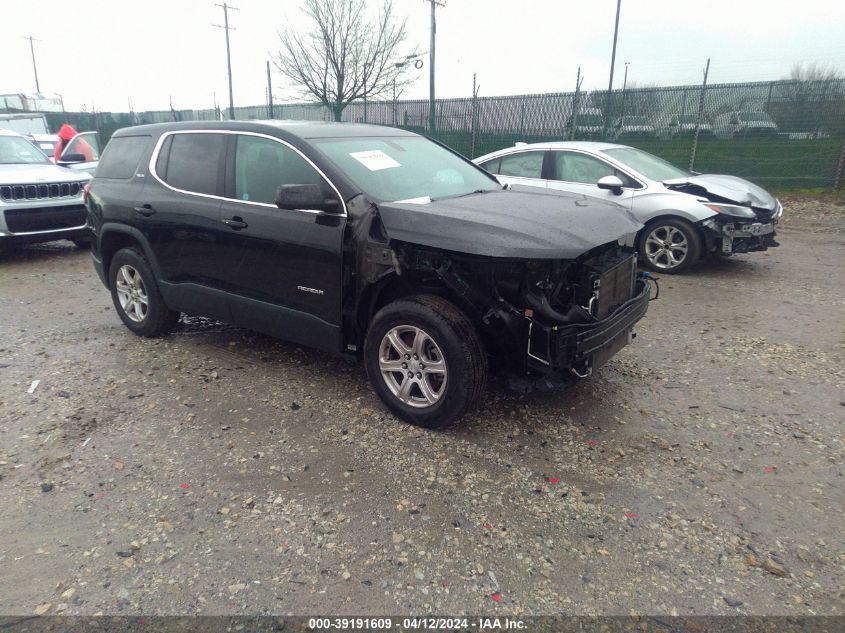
[(424, 623)]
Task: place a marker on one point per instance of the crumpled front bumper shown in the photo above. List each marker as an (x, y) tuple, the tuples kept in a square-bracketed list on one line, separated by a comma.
[(728, 237), (745, 238), (579, 349)]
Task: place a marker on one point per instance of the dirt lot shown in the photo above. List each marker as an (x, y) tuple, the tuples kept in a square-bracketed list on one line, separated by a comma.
[(221, 472)]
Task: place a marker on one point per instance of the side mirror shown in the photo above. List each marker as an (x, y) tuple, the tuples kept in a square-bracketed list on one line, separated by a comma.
[(611, 183), (71, 159), (305, 197)]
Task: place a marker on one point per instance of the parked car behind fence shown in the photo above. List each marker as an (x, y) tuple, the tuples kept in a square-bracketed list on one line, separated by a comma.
[(744, 124)]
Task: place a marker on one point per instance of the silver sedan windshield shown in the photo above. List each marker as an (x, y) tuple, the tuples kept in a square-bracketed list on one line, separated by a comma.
[(647, 164)]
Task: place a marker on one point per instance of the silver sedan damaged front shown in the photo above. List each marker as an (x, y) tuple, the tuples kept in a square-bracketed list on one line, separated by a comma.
[(737, 229)]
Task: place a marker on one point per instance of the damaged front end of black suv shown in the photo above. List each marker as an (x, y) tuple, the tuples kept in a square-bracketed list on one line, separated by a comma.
[(552, 292), (555, 321)]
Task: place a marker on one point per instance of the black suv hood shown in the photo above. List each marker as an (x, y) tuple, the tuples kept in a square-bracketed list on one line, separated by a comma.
[(726, 188), (522, 223)]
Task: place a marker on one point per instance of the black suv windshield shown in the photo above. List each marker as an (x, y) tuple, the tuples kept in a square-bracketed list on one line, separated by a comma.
[(15, 150), (404, 168)]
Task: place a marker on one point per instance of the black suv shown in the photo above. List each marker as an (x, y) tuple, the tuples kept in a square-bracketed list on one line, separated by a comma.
[(369, 241)]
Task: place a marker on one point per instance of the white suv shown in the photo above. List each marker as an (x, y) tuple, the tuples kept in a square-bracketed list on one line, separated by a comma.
[(39, 201)]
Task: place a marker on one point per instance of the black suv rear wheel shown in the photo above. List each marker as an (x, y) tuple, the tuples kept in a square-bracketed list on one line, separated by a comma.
[(136, 297), (425, 360)]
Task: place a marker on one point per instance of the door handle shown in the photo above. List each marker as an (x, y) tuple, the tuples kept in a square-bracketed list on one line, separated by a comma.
[(145, 210), (236, 223)]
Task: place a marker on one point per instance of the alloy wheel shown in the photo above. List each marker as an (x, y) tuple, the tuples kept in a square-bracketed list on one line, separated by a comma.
[(666, 247), (132, 293), (412, 366)]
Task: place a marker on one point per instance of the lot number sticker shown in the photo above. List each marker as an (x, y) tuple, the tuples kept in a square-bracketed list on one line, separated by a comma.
[(375, 160)]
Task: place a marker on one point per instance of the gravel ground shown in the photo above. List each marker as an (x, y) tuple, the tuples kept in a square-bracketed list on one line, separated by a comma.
[(217, 471)]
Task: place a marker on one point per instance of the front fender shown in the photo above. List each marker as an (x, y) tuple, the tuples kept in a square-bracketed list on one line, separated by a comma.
[(653, 205)]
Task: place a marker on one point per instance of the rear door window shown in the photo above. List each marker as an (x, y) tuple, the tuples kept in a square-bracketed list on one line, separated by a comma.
[(192, 162), (263, 165), (121, 157), (523, 165)]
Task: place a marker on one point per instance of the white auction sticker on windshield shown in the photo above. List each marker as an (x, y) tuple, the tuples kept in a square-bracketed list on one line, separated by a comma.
[(375, 160)]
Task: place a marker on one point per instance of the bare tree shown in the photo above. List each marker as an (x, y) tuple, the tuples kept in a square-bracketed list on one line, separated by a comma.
[(813, 72), (811, 100), (345, 55)]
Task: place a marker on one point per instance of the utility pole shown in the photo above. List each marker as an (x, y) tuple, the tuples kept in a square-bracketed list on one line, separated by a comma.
[(431, 105), (624, 86), (612, 63), (269, 92), (227, 28), (34, 67), (700, 117)]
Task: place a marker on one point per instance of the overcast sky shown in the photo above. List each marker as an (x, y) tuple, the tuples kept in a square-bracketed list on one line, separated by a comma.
[(101, 53)]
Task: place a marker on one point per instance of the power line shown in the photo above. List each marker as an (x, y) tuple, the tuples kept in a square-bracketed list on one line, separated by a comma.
[(225, 26)]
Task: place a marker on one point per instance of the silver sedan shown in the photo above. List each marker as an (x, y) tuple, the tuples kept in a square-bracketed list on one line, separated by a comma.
[(685, 216)]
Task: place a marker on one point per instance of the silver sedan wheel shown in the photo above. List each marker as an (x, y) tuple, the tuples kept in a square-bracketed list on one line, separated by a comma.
[(132, 293), (666, 247), (412, 366)]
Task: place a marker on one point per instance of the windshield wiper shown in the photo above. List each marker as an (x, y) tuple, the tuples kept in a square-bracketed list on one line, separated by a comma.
[(461, 195)]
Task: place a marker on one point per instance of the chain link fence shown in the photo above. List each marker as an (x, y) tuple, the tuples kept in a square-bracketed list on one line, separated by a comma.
[(780, 134)]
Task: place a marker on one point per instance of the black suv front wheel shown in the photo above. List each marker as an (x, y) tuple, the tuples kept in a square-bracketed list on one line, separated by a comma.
[(136, 297), (425, 360)]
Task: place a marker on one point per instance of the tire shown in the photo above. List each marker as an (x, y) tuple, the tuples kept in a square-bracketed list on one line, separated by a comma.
[(131, 281), (434, 334), (662, 242)]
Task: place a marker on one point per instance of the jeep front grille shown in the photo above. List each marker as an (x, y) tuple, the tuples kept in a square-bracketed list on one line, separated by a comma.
[(15, 193)]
